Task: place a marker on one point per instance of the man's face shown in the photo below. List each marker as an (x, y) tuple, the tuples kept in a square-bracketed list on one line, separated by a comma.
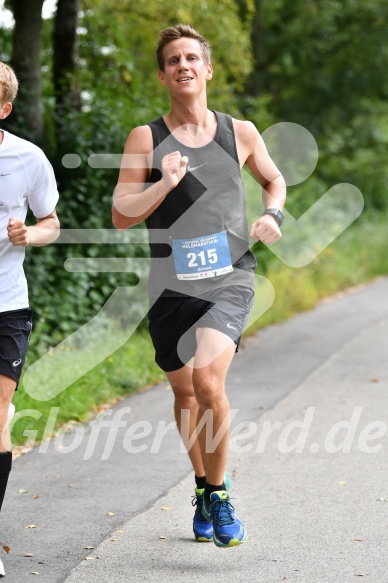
[(185, 71)]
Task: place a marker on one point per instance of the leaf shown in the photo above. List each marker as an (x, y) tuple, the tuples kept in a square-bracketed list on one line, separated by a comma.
[(34, 573), (21, 491), (88, 548), (89, 558), (165, 508), (113, 540), (30, 526), (111, 513), (162, 537), (383, 499), (28, 555), (341, 483), (358, 539), (6, 548)]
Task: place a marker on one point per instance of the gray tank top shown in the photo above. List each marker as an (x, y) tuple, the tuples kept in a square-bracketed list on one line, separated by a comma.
[(198, 235)]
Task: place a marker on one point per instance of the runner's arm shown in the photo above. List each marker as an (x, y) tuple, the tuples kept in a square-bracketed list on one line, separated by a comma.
[(253, 153), (44, 232), (134, 200)]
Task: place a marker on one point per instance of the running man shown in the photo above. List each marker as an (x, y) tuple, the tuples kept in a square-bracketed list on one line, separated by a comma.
[(182, 174), (26, 180)]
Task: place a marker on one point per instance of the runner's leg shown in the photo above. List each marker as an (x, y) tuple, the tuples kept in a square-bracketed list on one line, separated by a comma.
[(209, 384), (209, 374), (182, 386), (7, 388)]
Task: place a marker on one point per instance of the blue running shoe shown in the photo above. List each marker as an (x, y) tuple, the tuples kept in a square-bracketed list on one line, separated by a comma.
[(202, 528), (228, 530)]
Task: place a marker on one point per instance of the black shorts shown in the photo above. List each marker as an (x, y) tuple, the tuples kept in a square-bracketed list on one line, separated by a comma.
[(15, 331), (225, 309)]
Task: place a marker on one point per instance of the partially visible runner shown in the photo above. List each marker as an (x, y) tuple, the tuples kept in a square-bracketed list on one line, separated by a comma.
[(181, 173), (26, 180)]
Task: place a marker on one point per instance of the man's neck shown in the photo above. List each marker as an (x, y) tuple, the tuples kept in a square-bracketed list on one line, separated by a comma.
[(190, 112), (192, 128)]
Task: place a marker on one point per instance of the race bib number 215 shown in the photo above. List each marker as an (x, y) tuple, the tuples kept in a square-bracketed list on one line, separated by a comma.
[(202, 257)]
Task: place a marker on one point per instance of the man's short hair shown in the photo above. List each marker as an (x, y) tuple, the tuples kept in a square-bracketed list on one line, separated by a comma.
[(174, 33), (8, 84)]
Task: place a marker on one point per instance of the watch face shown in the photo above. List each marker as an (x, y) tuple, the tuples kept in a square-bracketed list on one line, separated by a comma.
[(277, 214)]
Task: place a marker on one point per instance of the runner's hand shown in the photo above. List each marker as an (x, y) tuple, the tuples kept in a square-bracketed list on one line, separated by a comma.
[(265, 229), (17, 233), (174, 168)]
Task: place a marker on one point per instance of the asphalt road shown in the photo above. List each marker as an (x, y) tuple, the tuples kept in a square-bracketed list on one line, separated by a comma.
[(309, 480)]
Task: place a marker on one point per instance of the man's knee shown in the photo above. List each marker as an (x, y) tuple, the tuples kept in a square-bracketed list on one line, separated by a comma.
[(184, 396), (209, 391), (186, 402)]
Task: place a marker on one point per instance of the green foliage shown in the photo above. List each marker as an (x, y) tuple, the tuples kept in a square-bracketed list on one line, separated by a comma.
[(323, 66), (120, 51), (5, 45), (63, 301)]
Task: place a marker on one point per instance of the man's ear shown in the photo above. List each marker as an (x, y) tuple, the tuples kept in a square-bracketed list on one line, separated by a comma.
[(209, 72), (162, 78), (5, 110)]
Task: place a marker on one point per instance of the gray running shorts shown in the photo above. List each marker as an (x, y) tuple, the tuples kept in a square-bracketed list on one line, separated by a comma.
[(225, 309)]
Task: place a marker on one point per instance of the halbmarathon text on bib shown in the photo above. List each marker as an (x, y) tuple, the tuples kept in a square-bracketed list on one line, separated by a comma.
[(202, 257)]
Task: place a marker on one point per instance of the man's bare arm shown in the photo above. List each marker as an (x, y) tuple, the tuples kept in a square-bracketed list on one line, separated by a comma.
[(254, 154), (44, 232), (133, 201)]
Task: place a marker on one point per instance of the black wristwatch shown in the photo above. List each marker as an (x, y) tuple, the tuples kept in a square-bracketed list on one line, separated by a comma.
[(277, 214)]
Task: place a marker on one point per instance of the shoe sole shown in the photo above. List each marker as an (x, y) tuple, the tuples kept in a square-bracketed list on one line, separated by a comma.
[(202, 539), (232, 543)]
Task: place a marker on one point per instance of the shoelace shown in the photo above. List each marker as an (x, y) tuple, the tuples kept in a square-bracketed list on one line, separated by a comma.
[(222, 512)]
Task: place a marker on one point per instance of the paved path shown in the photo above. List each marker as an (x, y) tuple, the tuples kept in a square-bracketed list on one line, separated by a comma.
[(314, 501)]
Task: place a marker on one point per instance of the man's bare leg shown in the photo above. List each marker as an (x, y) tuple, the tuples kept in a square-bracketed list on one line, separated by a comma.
[(185, 400), (209, 376), (7, 389), (209, 385)]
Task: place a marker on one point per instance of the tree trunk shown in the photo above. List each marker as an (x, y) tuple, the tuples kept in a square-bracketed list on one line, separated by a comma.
[(255, 80), (67, 91), (27, 117)]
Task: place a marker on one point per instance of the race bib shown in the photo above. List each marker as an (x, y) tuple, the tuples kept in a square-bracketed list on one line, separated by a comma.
[(202, 257)]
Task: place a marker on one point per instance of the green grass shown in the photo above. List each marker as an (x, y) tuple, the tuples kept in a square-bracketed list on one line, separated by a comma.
[(128, 369), (357, 256)]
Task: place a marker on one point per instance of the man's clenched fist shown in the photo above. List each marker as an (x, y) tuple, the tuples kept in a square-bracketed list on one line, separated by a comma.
[(174, 168), (17, 233)]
